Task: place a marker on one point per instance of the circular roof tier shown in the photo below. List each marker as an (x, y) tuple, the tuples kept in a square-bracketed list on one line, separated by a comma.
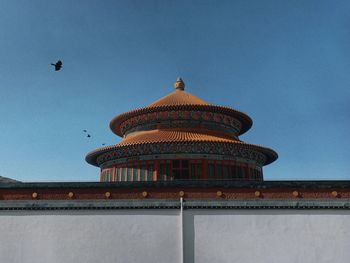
[(158, 141), (181, 100)]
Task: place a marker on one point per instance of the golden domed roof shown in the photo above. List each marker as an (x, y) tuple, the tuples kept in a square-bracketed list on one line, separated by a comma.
[(179, 100)]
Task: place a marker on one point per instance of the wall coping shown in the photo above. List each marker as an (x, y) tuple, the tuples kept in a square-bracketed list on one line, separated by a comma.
[(171, 204), (316, 184)]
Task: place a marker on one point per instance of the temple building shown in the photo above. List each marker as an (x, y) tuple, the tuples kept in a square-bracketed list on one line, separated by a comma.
[(180, 187), (181, 137)]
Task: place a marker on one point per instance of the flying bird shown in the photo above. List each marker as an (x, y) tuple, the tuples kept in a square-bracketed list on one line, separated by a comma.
[(58, 65), (88, 136), (84, 130)]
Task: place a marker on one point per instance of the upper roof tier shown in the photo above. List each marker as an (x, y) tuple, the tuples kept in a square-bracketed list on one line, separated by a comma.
[(180, 100)]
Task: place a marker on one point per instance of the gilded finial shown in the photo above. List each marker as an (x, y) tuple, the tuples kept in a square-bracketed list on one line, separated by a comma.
[(179, 84)]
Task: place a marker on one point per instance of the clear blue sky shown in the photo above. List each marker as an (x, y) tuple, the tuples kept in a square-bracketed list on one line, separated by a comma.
[(285, 63)]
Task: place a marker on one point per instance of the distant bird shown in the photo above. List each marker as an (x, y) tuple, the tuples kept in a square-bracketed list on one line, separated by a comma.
[(58, 65), (88, 136), (103, 144), (84, 130)]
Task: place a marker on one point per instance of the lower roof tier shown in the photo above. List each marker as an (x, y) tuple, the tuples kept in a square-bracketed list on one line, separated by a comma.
[(157, 142)]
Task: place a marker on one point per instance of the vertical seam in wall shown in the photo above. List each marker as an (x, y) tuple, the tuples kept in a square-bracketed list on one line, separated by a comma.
[(182, 231)]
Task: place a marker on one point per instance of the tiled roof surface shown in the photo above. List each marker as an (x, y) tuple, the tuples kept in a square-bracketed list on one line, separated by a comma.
[(155, 136), (179, 97)]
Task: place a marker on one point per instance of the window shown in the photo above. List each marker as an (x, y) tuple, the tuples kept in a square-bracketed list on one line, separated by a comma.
[(199, 170), (244, 172), (165, 171), (196, 170), (143, 173), (116, 174), (180, 169), (129, 178), (135, 174), (162, 175), (162, 171), (123, 174), (238, 171), (193, 171), (177, 173), (176, 164), (226, 172), (211, 171), (218, 170), (150, 172), (168, 172), (119, 174)]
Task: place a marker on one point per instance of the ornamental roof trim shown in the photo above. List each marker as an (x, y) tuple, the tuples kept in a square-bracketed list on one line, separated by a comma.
[(270, 154), (246, 121)]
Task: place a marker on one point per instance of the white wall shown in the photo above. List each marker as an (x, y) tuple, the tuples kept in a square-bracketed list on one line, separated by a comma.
[(90, 237), (288, 236), (154, 236)]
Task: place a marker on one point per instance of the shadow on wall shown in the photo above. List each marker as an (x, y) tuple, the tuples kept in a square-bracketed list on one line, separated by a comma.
[(188, 236)]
